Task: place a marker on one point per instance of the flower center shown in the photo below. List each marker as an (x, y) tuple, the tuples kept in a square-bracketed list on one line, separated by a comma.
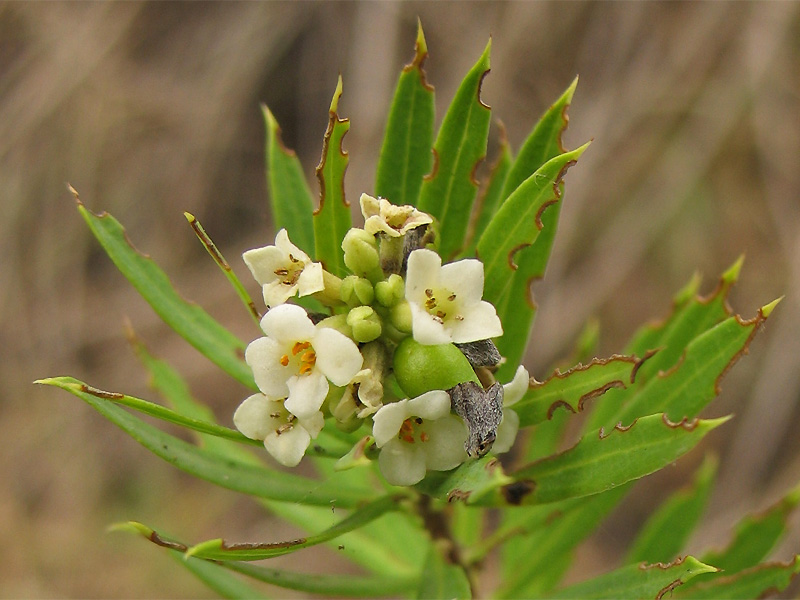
[(289, 274), (302, 356), (442, 304), (411, 431)]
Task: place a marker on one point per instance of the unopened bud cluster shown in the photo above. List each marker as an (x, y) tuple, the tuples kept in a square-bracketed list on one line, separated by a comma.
[(404, 350)]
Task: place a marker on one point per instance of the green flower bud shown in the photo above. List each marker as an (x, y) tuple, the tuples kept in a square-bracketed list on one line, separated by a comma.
[(420, 368), (400, 316), (339, 323), (361, 254), (357, 291), (365, 322), (390, 291)]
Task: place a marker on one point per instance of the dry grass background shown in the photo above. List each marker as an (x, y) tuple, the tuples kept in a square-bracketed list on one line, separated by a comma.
[(150, 109)]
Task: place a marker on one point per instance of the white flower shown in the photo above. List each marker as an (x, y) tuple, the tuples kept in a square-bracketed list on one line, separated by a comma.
[(285, 436), (418, 435), (445, 301), (382, 216), (283, 270), (509, 425), (296, 359), (368, 388)]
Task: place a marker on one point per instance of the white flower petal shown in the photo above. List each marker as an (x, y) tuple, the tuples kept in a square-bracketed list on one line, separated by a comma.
[(480, 323), (369, 206), (306, 394), (506, 431), (387, 421), (263, 262), (422, 273), (283, 242), (516, 388), (276, 293), (287, 324), (313, 424), (310, 280), (337, 355), (445, 449), (263, 355), (401, 463), (425, 329), (465, 278), (253, 418), (430, 405), (289, 446)]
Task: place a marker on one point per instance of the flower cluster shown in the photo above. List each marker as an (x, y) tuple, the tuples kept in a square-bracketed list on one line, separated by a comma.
[(404, 347)]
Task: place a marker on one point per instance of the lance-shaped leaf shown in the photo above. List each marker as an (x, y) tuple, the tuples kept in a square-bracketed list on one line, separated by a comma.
[(602, 461), (332, 217), (218, 579), (638, 581), (489, 201), (757, 582), (218, 549), (548, 535), (351, 586), (328, 585), (755, 536), (543, 142), (518, 223), (449, 190), (223, 264), (406, 151), (692, 315), (687, 388), (190, 321), (225, 472), (572, 389), (213, 575), (290, 197), (442, 579), (667, 530)]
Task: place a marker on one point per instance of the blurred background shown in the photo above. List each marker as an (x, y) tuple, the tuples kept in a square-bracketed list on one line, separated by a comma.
[(150, 109)]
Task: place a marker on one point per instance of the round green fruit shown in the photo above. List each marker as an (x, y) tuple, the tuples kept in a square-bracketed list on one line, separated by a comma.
[(419, 368)]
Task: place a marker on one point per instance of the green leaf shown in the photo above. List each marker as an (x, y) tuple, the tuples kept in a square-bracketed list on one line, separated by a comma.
[(354, 586), (218, 549), (602, 461), (543, 143), (442, 579), (518, 223), (223, 264), (290, 197), (329, 585), (406, 151), (572, 389), (757, 582), (449, 191), (685, 390), (469, 482), (755, 536), (547, 536), (217, 578), (638, 581), (691, 316), (667, 530), (490, 200), (332, 217), (190, 321), (225, 472)]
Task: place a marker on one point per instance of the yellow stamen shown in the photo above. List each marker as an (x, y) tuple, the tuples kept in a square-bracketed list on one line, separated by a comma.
[(285, 360)]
